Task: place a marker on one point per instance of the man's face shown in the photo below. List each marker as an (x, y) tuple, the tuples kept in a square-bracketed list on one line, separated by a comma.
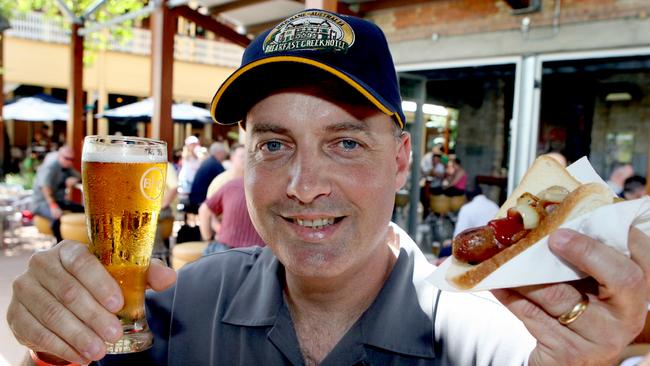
[(635, 193), (66, 158), (320, 181)]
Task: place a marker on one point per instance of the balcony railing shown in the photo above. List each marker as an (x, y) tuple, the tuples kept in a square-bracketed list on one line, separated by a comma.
[(35, 26)]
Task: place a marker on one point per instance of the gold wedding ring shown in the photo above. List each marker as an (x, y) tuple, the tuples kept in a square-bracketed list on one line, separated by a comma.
[(573, 314)]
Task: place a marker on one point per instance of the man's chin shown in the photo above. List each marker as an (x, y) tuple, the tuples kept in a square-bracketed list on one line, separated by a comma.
[(312, 263)]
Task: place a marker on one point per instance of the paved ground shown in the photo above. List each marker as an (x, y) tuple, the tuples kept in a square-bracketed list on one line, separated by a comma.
[(13, 262)]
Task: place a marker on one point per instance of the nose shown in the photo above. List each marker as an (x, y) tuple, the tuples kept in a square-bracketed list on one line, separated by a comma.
[(308, 177)]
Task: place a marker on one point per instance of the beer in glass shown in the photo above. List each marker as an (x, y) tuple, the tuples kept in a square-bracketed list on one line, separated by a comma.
[(123, 183)]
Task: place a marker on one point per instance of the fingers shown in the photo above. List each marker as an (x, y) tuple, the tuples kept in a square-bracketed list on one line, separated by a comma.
[(545, 328), (639, 245), (38, 338), (619, 277), (63, 304), (160, 277), (77, 299), (559, 299), (61, 324), (86, 269)]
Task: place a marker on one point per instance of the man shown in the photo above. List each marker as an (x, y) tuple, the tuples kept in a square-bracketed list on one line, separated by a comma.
[(620, 172), (210, 168), (476, 212), (53, 180), (236, 169), (634, 187), (337, 284), (433, 171), (431, 164), (191, 160), (235, 227)]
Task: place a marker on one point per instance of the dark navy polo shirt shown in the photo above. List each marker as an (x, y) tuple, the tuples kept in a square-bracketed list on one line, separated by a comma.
[(208, 170), (228, 309)]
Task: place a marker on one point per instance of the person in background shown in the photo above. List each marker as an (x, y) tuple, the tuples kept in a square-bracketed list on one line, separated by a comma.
[(177, 157), (431, 164), (236, 229), (236, 169), (620, 172), (634, 187), (53, 180), (456, 179), (476, 212), (210, 168), (433, 171), (190, 163)]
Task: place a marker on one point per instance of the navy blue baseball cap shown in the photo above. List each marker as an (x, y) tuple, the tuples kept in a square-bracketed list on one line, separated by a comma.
[(352, 49)]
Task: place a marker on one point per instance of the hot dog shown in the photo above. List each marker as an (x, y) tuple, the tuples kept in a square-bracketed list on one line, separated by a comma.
[(546, 197)]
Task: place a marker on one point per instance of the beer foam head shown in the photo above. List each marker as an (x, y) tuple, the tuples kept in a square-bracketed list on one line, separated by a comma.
[(123, 149)]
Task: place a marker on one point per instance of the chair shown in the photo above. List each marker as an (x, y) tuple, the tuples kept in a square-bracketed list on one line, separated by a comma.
[(166, 227), (185, 253), (43, 225), (440, 204), (73, 227), (456, 202)]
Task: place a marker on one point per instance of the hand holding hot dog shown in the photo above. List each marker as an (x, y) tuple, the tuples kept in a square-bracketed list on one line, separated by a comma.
[(613, 315)]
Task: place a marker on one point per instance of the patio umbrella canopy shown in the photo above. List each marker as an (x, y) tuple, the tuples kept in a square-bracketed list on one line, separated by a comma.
[(143, 111), (36, 108)]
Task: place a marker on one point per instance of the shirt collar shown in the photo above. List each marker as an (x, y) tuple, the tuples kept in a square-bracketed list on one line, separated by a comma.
[(259, 297), (395, 321)]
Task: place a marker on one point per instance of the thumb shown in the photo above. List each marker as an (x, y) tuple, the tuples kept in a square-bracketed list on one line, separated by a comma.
[(160, 277)]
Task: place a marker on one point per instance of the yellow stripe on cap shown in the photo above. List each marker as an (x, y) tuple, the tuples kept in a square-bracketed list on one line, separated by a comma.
[(308, 61)]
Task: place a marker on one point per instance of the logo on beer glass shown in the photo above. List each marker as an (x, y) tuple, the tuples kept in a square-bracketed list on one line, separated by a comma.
[(151, 183)]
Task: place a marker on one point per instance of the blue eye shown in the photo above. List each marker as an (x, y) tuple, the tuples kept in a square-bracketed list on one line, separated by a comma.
[(349, 144), (273, 146)]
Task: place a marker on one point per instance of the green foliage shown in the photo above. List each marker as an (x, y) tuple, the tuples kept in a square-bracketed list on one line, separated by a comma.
[(94, 41)]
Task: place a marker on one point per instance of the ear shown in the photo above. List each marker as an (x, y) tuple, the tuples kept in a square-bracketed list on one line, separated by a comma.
[(403, 160)]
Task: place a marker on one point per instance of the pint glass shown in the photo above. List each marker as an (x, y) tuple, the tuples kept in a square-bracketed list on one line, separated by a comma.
[(123, 183)]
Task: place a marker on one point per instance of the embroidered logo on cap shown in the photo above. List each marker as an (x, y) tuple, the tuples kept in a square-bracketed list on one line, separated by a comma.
[(310, 30)]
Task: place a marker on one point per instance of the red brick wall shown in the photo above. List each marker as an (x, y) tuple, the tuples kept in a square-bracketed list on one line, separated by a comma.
[(459, 17)]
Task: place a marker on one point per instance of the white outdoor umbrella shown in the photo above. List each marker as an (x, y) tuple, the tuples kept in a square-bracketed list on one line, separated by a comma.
[(143, 111), (36, 108)]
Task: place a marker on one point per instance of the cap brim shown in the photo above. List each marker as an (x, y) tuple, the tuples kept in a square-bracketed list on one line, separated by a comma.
[(236, 95)]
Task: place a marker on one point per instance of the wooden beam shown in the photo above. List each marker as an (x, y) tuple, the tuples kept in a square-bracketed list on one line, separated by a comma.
[(162, 74), (343, 8), (211, 24), (369, 6), (329, 5), (258, 28), (75, 127), (214, 10)]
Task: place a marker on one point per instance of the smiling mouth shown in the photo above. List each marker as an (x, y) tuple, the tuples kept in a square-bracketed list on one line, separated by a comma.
[(315, 223)]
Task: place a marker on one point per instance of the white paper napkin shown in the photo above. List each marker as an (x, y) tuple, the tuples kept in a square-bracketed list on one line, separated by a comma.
[(538, 265)]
